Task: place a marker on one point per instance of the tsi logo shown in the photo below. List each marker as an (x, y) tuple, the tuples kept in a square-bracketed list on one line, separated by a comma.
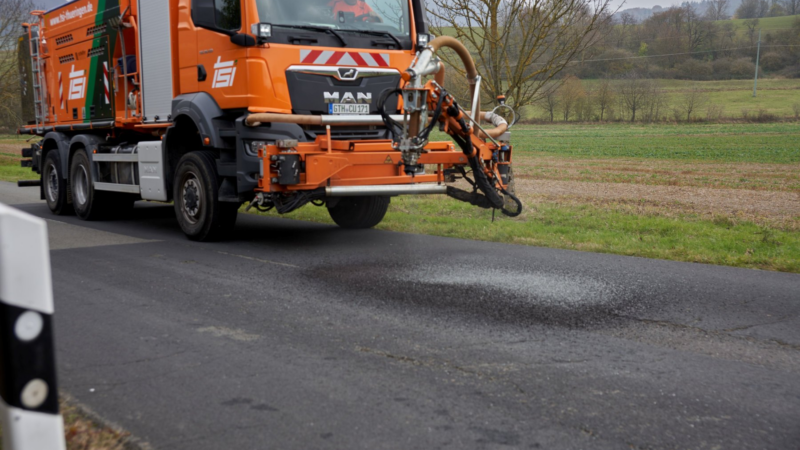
[(224, 73), (77, 84), (348, 97)]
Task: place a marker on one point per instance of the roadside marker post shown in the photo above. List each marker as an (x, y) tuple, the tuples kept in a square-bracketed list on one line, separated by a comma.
[(28, 392)]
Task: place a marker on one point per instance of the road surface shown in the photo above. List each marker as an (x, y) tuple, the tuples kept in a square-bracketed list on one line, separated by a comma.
[(295, 335)]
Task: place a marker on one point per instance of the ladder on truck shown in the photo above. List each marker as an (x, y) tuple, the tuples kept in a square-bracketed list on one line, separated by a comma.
[(37, 67)]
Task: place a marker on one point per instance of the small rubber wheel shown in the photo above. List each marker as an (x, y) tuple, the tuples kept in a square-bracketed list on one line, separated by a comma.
[(88, 203), (201, 215), (55, 186), (359, 212)]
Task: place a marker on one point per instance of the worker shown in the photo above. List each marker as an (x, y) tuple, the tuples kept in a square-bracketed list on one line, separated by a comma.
[(363, 12)]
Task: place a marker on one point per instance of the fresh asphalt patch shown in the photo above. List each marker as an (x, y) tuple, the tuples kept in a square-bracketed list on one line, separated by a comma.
[(300, 335)]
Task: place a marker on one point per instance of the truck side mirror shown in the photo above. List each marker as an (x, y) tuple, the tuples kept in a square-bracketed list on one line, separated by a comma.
[(243, 40)]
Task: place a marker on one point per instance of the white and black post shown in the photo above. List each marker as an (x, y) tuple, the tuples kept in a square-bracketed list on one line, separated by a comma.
[(29, 404)]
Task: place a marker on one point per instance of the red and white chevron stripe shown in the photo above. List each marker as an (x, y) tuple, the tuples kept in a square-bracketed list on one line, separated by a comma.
[(105, 81), (331, 58)]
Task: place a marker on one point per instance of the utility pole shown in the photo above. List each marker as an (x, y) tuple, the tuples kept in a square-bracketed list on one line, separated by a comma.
[(758, 55)]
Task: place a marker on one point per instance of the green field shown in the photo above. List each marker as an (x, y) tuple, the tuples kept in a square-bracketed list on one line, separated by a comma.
[(766, 23), (758, 143)]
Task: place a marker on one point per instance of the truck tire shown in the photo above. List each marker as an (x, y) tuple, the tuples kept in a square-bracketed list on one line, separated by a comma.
[(359, 212), (88, 203), (201, 215), (55, 186)]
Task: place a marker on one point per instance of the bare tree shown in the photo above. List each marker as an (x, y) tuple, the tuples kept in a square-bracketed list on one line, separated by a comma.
[(752, 9), (570, 93), (692, 101), (655, 102), (549, 100), (792, 7), (584, 108), (718, 9), (604, 96), (751, 25), (635, 94), (696, 28), (520, 45), (12, 14), (626, 23)]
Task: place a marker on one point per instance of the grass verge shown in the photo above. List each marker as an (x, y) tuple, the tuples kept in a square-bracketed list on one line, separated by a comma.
[(609, 229)]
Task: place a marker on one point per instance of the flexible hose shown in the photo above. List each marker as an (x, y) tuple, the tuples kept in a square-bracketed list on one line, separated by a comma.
[(472, 73), (500, 125), (466, 59), (460, 49)]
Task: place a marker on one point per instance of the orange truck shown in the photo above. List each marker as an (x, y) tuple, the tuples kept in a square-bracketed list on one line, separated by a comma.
[(215, 104)]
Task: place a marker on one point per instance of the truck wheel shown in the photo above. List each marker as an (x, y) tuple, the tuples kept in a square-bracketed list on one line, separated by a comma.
[(88, 203), (201, 215), (359, 212), (56, 189)]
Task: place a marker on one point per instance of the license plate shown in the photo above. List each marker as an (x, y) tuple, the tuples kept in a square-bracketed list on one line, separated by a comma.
[(348, 108)]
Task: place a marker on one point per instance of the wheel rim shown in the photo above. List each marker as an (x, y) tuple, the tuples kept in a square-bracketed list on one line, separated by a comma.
[(81, 185), (52, 183), (191, 198)]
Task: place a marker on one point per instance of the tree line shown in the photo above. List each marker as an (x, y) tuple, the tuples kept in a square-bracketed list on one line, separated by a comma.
[(632, 98), (683, 43)]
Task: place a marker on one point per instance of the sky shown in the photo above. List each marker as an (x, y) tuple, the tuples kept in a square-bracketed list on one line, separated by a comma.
[(48, 4)]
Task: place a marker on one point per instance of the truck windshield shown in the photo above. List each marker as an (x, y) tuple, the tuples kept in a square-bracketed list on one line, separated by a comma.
[(385, 16)]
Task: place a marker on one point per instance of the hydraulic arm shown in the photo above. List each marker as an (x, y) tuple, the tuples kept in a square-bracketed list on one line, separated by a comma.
[(428, 104)]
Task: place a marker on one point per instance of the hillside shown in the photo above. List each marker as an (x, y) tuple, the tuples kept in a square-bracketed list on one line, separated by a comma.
[(766, 23)]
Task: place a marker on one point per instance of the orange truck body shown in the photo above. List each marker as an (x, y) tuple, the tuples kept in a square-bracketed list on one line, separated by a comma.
[(80, 40), (113, 78)]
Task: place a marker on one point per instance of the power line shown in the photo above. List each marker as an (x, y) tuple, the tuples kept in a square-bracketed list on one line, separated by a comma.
[(680, 54)]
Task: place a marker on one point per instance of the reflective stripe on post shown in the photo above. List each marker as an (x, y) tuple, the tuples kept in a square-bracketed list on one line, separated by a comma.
[(29, 406)]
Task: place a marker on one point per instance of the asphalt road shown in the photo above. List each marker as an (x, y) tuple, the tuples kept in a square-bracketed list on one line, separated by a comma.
[(305, 336)]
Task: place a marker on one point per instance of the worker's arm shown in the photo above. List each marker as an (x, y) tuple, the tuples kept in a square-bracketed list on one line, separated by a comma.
[(371, 13)]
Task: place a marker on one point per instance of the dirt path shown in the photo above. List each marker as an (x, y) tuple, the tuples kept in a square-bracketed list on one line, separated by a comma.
[(759, 206), (753, 176)]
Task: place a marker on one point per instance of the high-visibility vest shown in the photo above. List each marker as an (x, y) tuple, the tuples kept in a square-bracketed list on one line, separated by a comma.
[(359, 9)]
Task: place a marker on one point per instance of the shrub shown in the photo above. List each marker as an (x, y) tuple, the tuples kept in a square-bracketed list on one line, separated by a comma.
[(790, 71), (693, 69), (722, 68), (796, 109), (743, 68), (714, 112), (773, 61), (765, 116), (677, 114)]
